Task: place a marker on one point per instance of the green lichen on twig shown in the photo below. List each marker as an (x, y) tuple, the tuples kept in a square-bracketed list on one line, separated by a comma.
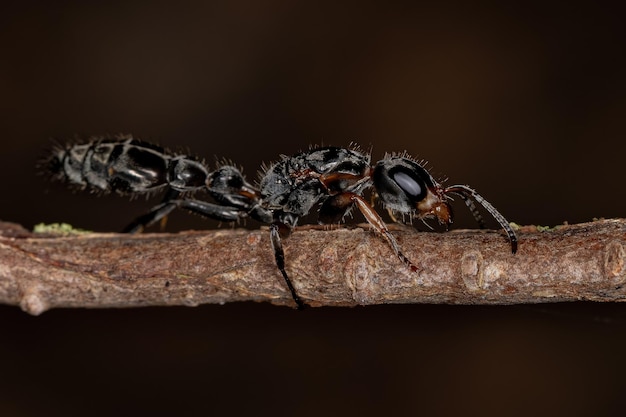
[(64, 229), (538, 227)]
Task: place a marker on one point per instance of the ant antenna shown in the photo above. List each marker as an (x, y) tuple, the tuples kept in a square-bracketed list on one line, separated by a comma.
[(468, 194)]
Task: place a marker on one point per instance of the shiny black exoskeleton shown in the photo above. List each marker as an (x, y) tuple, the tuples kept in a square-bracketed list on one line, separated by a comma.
[(331, 178), (292, 187), (130, 166)]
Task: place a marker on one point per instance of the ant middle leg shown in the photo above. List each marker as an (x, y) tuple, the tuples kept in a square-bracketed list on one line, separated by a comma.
[(279, 256)]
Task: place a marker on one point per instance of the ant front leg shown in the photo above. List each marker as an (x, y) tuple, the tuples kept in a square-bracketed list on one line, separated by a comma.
[(335, 207), (279, 256)]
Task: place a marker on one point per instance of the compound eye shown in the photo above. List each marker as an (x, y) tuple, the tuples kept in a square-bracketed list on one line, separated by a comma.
[(408, 184), (413, 187)]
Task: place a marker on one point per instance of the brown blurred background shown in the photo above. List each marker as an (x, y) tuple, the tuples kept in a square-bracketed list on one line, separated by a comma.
[(526, 104)]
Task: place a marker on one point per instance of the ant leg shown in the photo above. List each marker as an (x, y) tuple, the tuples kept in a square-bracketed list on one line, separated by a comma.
[(212, 211), (334, 209), (379, 225), (155, 214), (279, 256)]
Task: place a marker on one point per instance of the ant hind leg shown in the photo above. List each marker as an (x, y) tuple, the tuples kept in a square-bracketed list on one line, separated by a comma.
[(156, 213)]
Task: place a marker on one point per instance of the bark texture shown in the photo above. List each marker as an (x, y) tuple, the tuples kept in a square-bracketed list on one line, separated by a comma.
[(342, 267)]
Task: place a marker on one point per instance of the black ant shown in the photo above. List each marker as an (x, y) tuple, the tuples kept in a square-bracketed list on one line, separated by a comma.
[(331, 178)]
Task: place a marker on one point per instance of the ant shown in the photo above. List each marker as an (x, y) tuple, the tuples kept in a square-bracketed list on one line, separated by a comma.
[(331, 178)]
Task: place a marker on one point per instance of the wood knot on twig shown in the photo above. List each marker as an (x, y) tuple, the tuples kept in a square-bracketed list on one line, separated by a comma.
[(358, 268), (33, 303), (472, 270), (614, 262)]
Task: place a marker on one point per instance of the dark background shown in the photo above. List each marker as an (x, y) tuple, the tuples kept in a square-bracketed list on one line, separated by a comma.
[(525, 103)]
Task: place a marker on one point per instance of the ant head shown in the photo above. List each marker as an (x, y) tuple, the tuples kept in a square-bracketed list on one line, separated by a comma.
[(405, 187)]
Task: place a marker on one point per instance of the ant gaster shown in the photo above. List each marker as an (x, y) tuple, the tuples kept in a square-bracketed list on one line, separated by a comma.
[(331, 178)]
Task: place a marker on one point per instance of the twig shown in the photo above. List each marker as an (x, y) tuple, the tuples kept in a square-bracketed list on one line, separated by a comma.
[(344, 267)]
